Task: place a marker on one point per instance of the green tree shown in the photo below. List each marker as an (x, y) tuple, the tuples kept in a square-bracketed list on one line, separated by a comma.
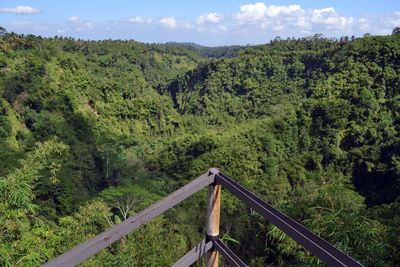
[(18, 211)]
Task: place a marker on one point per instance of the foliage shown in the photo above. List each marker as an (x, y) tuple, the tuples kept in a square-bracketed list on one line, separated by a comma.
[(92, 132)]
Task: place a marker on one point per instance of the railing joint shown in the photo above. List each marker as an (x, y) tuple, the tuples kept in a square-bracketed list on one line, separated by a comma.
[(212, 238), (212, 171)]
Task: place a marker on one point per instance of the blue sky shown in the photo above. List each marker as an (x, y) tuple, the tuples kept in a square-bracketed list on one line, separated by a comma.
[(207, 22)]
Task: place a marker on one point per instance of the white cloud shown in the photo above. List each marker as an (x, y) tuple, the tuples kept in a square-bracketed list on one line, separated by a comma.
[(382, 24), (209, 23), (168, 22), (260, 12), (251, 12), (291, 19), (364, 25), (138, 20), (19, 10), (80, 25), (376, 24), (394, 19), (328, 16), (275, 11), (303, 22), (209, 18)]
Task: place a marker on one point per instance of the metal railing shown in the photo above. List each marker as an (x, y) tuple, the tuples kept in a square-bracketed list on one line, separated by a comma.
[(211, 246)]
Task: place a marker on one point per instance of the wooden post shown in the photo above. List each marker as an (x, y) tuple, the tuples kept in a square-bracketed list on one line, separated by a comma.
[(213, 218)]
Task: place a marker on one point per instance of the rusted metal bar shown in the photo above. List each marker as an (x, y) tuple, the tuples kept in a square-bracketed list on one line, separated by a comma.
[(228, 254), (318, 246), (213, 218), (97, 243), (193, 255)]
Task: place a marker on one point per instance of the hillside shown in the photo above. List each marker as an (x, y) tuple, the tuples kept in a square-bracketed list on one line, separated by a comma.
[(226, 51), (94, 131)]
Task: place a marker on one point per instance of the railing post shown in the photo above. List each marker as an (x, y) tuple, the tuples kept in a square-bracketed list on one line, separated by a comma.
[(213, 218)]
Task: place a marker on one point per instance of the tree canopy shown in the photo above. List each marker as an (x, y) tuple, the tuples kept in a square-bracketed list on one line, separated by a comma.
[(92, 132)]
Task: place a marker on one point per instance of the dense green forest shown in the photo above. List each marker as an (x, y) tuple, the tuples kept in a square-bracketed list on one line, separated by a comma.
[(91, 132)]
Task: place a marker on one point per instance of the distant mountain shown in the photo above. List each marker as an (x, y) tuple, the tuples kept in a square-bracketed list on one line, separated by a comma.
[(227, 51)]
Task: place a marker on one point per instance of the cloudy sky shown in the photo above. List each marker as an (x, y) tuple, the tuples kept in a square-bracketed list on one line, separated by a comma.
[(207, 22)]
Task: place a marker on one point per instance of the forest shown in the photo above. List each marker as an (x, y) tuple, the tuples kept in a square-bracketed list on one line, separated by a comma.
[(91, 132)]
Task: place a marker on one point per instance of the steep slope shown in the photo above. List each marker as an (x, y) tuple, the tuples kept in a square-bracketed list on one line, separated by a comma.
[(342, 96), (302, 122), (96, 97), (92, 132)]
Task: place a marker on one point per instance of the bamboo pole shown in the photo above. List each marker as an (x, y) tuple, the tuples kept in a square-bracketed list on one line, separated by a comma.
[(213, 218)]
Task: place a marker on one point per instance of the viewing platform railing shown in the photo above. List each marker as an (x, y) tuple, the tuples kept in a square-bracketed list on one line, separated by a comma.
[(211, 245)]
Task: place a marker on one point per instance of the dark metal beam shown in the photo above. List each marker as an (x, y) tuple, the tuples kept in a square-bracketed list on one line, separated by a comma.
[(87, 249), (228, 254), (196, 253), (318, 246)]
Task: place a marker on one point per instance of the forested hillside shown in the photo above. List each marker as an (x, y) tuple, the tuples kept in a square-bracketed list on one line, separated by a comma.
[(91, 132)]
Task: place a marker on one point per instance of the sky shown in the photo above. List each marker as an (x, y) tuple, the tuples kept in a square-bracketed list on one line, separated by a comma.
[(206, 22)]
